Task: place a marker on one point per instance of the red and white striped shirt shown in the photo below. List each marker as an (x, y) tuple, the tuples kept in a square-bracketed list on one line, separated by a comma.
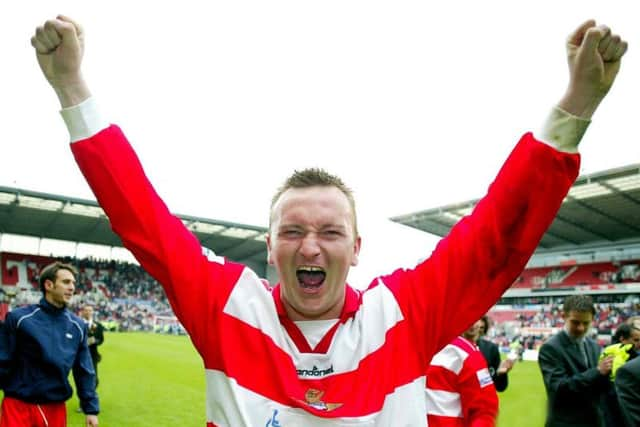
[(460, 391), (369, 369)]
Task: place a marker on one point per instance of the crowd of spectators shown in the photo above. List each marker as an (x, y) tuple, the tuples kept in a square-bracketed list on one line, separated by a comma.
[(608, 316), (124, 296), (530, 328)]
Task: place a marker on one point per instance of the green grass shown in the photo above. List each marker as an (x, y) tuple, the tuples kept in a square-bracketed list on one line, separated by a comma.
[(148, 380), (523, 403), (157, 380)]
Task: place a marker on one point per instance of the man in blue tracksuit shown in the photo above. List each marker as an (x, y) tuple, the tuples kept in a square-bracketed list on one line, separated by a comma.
[(41, 344)]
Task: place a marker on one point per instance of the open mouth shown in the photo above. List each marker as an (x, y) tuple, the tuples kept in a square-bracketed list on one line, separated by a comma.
[(310, 278)]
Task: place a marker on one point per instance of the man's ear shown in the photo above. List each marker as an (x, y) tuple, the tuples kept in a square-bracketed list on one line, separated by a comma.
[(48, 285), (356, 251)]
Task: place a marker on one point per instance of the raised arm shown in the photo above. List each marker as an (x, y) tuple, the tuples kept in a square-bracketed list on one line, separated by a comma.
[(486, 251), (196, 284)]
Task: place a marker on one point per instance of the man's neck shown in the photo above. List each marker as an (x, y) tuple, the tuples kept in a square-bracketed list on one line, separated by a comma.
[(296, 316), (574, 338), (48, 298)]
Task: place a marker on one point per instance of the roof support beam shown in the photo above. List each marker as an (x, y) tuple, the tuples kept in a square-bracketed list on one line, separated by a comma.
[(604, 214), (581, 227), (559, 237)]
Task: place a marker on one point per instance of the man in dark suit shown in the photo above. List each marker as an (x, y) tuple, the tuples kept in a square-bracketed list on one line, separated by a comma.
[(497, 368), (575, 380), (628, 390), (95, 336)]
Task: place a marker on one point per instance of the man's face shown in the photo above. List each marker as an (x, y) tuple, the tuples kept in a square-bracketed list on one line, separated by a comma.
[(473, 333), (312, 245), (578, 322), (634, 338), (87, 312), (60, 291), (482, 331)]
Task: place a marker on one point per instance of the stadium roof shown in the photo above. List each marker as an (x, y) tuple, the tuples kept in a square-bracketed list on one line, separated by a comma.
[(51, 216), (601, 209)]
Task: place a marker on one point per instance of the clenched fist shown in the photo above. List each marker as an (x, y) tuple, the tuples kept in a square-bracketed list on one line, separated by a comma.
[(594, 55), (59, 45)]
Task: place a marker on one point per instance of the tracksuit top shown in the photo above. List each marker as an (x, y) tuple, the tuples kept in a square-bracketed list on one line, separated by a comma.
[(369, 369), (40, 345), (460, 390)]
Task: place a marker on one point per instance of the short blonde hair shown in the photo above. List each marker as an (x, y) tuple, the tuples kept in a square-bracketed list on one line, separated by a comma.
[(315, 177)]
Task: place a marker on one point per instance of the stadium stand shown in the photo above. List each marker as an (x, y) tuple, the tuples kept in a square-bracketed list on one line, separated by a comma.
[(124, 294), (600, 273), (49, 216), (125, 297), (592, 247)]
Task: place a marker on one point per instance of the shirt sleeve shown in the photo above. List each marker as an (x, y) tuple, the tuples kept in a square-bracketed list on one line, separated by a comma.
[(484, 252), (7, 348), (99, 334), (478, 396), (628, 392), (83, 120), (84, 376), (500, 381), (197, 283)]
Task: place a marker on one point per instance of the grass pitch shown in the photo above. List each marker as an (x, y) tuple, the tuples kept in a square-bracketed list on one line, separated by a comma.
[(523, 403), (158, 380), (147, 380)]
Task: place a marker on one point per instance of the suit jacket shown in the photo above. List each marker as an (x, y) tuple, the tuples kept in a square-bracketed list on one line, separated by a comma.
[(575, 391), (628, 389), (4, 343), (96, 331), (491, 353)]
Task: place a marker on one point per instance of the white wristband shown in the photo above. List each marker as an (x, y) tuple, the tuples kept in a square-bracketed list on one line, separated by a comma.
[(563, 130), (83, 120)]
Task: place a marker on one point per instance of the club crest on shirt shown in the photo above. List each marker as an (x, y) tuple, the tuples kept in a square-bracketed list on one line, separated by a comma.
[(313, 398)]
